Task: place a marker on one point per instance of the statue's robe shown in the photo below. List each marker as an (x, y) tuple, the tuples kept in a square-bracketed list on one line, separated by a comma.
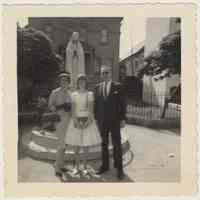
[(75, 61)]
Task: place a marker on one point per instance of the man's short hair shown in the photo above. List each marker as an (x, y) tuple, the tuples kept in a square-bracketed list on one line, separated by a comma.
[(105, 68)]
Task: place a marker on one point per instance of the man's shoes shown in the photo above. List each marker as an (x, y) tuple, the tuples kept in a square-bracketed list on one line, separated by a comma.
[(58, 174), (61, 176), (63, 169), (102, 170), (120, 175)]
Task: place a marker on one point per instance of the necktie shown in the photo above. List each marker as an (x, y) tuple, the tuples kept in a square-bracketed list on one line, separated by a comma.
[(105, 89)]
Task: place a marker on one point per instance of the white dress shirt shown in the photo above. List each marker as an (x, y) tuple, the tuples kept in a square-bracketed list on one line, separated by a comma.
[(107, 89)]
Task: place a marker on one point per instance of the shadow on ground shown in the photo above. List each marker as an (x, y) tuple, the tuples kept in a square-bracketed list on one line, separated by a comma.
[(92, 176), (109, 176), (93, 165)]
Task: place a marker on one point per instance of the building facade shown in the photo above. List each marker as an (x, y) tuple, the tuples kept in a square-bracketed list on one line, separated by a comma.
[(99, 36), (128, 72), (134, 61)]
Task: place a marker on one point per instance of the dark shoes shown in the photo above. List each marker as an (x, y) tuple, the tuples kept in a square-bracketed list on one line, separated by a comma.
[(58, 174), (102, 170), (120, 175), (62, 177), (63, 169)]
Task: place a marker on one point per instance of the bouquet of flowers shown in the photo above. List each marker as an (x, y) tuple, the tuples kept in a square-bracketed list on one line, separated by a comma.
[(82, 122)]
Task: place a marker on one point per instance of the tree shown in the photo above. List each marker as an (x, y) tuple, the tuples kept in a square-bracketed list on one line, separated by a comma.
[(170, 48), (37, 63), (167, 60)]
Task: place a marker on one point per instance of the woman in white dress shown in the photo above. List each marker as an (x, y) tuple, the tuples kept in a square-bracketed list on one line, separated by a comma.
[(82, 132)]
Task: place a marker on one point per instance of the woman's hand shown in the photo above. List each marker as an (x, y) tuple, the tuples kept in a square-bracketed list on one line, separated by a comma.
[(88, 122), (53, 109)]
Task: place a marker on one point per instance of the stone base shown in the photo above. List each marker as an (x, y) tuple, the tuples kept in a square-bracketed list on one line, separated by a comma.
[(44, 146)]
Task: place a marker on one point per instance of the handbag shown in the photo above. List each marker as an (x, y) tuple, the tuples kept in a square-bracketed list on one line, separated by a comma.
[(65, 106)]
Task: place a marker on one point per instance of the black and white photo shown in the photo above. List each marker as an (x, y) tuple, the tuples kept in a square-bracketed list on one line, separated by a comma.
[(100, 97)]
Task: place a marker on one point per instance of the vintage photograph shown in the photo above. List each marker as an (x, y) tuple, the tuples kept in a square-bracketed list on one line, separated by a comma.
[(99, 99)]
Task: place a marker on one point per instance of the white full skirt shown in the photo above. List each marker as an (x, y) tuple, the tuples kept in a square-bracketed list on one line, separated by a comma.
[(89, 136)]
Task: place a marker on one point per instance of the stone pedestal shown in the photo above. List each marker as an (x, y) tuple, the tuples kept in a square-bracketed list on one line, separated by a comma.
[(44, 146)]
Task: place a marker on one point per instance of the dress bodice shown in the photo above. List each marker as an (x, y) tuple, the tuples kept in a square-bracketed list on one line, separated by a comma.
[(81, 101), (58, 97)]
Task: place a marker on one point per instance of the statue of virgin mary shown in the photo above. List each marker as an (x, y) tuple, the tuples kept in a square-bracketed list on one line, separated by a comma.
[(75, 61)]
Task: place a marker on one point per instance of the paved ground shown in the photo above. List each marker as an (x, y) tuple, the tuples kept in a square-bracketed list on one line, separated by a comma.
[(154, 157)]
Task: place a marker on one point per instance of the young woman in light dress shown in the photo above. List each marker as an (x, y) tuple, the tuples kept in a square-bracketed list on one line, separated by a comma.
[(82, 132)]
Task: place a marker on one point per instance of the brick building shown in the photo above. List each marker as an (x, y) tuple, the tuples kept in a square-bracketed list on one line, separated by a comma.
[(99, 36)]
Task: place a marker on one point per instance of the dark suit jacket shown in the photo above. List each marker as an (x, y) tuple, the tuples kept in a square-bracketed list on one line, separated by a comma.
[(113, 107)]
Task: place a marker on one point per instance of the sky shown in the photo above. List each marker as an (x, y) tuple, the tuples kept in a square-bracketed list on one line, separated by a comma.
[(132, 33)]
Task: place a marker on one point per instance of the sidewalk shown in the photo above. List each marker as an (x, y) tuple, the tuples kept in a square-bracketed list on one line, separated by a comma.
[(156, 158), (154, 123)]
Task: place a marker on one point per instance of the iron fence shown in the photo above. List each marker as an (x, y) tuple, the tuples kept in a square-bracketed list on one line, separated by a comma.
[(154, 107)]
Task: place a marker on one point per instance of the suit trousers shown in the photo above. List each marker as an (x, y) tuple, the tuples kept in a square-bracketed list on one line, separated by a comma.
[(112, 127)]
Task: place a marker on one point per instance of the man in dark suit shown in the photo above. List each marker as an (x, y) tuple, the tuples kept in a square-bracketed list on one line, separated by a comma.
[(110, 109)]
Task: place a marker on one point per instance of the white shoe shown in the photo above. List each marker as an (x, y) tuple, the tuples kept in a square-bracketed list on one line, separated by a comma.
[(76, 172), (85, 172), (64, 178)]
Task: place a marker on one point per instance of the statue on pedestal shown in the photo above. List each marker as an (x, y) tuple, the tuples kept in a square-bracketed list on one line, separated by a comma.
[(75, 60)]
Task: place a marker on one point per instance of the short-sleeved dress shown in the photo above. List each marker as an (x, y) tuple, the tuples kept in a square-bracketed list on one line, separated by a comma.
[(59, 97), (89, 136)]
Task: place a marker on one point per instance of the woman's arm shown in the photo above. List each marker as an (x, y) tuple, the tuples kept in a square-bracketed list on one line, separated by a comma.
[(73, 110), (95, 101), (52, 100), (91, 109), (91, 105)]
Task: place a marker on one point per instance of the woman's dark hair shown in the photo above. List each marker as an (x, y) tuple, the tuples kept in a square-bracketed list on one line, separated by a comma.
[(64, 74), (81, 77)]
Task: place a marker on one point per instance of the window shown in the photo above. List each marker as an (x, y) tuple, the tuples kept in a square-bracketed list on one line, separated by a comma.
[(97, 65), (48, 28), (104, 36), (136, 64), (83, 35)]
